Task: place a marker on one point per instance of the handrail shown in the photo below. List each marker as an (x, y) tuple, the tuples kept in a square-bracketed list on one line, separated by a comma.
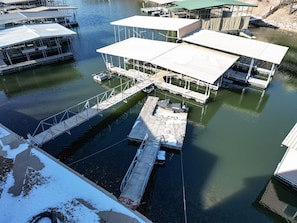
[(80, 107), (132, 165)]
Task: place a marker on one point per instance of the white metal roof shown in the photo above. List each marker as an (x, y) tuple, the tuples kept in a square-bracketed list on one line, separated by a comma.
[(21, 34), (197, 62), (163, 2), (291, 139), (138, 49), (159, 23), (49, 8), (201, 63), (239, 45), (14, 1)]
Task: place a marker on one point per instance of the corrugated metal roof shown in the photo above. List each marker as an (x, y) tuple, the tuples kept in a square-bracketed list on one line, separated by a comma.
[(256, 49), (21, 34), (12, 18), (45, 14), (204, 4), (197, 62), (15, 1), (23, 16), (291, 139), (159, 23)]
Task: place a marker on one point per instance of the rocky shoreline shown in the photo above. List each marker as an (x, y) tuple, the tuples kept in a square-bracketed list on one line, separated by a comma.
[(275, 13)]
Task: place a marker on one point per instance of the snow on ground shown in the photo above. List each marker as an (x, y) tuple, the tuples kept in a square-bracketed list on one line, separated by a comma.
[(32, 182)]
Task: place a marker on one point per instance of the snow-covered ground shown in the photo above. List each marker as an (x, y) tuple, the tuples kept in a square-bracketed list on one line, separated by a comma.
[(32, 182)]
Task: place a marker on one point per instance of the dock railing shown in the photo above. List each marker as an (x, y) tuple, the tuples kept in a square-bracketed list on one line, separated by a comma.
[(89, 108), (133, 163)]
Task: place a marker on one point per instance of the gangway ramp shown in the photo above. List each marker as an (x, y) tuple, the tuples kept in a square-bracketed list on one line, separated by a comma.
[(64, 121), (136, 179)]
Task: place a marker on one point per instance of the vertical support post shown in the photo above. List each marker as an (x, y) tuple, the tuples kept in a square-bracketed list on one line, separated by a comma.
[(250, 70), (272, 70), (115, 33)]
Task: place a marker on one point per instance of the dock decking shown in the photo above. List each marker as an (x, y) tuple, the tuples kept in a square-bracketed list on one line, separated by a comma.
[(138, 174), (4, 68), (157, 80), (159, 123), (154, 127)]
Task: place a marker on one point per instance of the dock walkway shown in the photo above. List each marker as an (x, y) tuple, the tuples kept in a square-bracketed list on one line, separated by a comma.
[(102, 102), (157, 80), (134, 183), (154, 127)]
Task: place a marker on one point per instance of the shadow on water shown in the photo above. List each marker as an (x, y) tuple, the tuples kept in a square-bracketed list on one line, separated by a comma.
[(278, 202)]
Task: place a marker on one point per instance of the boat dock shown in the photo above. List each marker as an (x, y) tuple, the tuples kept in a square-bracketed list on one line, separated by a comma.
[(154, 127)]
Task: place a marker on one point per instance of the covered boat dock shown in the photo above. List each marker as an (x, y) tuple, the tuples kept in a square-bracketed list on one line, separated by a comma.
[(30, 45), (258, 60), (40, 15), (166, 61), (287, 169), (153, 28), (217, 15)]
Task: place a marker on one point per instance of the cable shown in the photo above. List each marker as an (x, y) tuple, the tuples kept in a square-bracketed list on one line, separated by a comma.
[(106, 148), (184, 189)]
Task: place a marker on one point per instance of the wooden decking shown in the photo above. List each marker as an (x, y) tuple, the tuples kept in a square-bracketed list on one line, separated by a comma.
[(141, 169)]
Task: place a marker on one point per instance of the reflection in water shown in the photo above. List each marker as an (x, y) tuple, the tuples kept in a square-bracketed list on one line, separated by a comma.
[(278, 202), (41, 78), (247, 100)]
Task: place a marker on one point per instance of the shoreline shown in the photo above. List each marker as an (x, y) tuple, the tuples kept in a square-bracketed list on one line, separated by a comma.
[(271, 14)]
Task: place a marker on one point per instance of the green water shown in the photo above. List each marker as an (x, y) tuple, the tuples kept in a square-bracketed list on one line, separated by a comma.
[(232, 144)]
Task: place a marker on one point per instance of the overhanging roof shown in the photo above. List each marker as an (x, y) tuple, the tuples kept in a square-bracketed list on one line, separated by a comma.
[(291, 139), (50, 8), (138, 49), (206, 4), (44, 14), (24, 16), (12, 18), (239, 45), (162, 2), (22, 34), (159, 23), (15, 1), (197, 62)]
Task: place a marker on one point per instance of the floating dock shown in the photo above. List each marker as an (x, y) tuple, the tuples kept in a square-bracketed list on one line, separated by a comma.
[(160, 123), (136, 179), (154, 127)]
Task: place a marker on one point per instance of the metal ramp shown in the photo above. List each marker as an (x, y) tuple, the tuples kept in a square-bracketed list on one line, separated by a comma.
[(136, 179), (62, 122)]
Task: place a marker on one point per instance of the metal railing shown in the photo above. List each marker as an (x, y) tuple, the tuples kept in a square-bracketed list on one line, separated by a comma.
[(133, 163), (85, 106)]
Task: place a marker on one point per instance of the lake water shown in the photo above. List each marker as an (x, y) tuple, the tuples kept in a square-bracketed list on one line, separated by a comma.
[(231, 148)]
